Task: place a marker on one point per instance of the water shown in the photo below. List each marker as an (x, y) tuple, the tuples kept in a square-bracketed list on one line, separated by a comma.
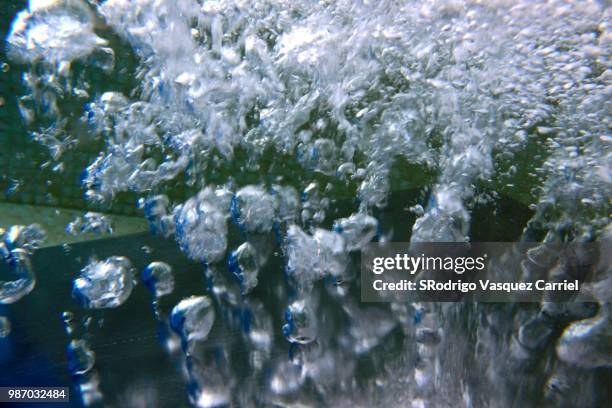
[(271, 140)]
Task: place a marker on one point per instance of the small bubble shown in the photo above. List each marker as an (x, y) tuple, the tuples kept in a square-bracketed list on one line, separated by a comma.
[(104, 284), (14, 186), (67, 318), (5, 326), (81, 358), (158, 278), (192, 318)]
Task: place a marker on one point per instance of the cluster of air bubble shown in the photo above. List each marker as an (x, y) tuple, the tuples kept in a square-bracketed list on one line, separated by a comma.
[(321, 98), (345, 87), (201, 224), (313, 257), (91, 222), (101, 284), (81, 359), (43, 30)]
